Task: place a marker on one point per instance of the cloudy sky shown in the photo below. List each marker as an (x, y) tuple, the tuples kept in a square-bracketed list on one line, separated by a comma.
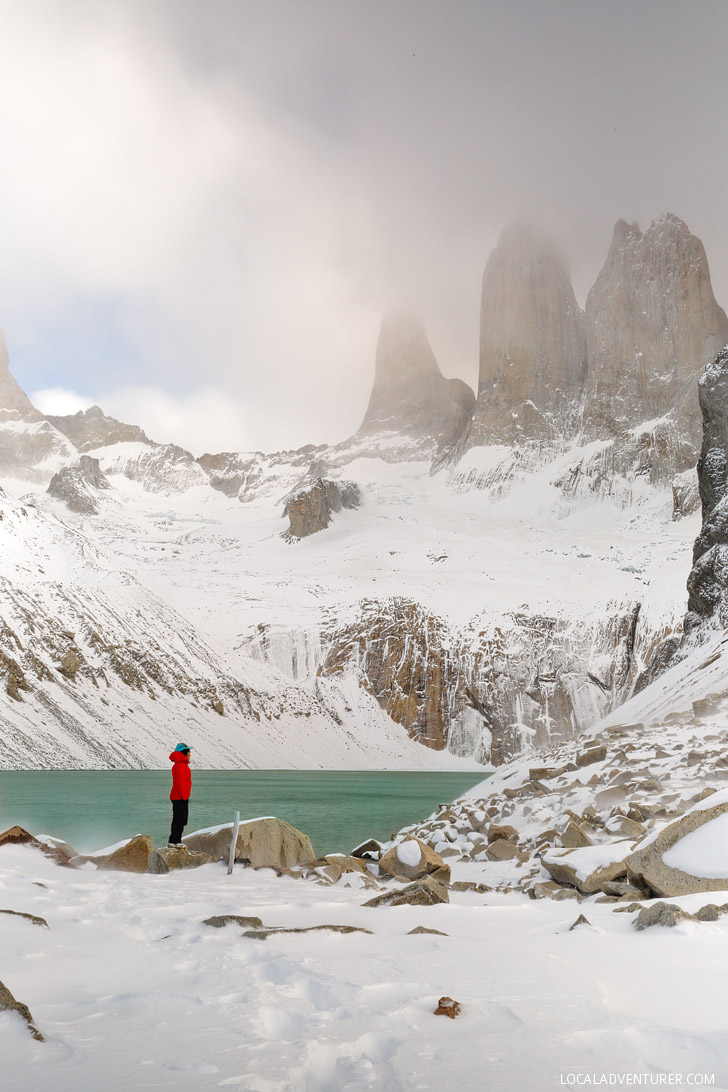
[(206, 207)]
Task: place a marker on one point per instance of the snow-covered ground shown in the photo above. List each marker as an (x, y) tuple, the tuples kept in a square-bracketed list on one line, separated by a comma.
[(132, 991), (220, 600)]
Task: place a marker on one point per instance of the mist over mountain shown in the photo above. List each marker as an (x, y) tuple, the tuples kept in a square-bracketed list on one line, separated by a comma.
[(460, 578)]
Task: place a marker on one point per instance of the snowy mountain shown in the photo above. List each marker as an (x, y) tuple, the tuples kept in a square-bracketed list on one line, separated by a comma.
[(460, 578)]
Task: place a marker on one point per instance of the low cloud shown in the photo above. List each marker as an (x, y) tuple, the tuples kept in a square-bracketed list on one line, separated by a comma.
[(59, 402), (232, 203)]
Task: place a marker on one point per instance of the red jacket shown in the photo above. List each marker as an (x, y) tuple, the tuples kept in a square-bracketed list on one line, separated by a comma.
[(181, 776)]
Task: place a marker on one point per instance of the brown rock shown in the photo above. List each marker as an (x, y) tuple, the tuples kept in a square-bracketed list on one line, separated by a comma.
[(502, 830), (593, 754), (447, 1007), (660, 913), (549, 889), (263, 934), (262, 843), (9, 1004), (132, 857), (423, 892), (58, 851), (219, 921), (581, 920), (501, 850), (170, 859), (587, 869), (574, 837), (423, 929), (392, 865), (32, 918)]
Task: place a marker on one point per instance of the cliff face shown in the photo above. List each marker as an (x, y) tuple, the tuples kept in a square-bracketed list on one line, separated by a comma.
[(708, 580), (532, 349), (652, 323), (92, 428), (410, 395)]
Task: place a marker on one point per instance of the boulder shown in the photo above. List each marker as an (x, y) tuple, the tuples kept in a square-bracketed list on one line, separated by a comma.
[(687, 855), (574, 837), (172, 858), (587, 869), (624, 826), (263, 843), (131, 857), (9, 1004), (371, 849), (660, 913), (58, 851), (591, 755), (423, 929), (411, 859), (501, 850), (502, 830), (423, 892), (549, 889)]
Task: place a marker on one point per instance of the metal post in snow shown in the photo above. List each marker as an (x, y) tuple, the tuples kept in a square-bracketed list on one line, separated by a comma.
[(234, 842)]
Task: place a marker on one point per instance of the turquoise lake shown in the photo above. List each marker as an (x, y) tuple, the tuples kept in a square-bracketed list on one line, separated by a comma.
[(337, 809)]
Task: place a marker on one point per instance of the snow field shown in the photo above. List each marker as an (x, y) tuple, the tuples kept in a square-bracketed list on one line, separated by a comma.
[(132, 991)]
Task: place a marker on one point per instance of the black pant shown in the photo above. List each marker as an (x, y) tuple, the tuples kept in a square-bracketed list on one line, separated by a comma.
[(180, 814)]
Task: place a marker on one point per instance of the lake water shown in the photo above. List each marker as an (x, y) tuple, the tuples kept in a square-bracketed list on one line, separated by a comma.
[(338, 810)]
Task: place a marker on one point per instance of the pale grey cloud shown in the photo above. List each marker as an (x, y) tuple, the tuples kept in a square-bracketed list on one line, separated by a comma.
[(229, 196)]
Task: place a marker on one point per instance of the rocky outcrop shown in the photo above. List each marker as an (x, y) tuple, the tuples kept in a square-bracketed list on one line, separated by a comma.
[(311, 509), (78, 486), (708, 580), (161, 468), (652, 323), (532, 348), (91, 428), (410, 395)]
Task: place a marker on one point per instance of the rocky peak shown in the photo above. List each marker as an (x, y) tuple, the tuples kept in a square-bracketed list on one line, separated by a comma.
[(78, 486), (410, 395), (532, 350), (708, 580), (92, 428), (14, 402), (652, 322)]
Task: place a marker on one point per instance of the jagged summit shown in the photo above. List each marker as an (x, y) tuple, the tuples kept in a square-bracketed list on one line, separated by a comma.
[(652, 322), (532, 349), (410, 395), (92, 428), (14, 402)]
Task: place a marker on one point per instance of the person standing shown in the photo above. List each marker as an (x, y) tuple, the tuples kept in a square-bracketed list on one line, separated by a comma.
[(180, 794)]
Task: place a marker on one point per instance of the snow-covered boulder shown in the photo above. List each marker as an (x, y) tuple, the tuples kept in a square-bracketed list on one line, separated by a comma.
[(264, 843), (411, 859), (588, 868), (689, 854)]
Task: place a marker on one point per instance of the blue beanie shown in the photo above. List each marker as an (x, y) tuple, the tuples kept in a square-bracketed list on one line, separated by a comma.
[(182, 747)]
